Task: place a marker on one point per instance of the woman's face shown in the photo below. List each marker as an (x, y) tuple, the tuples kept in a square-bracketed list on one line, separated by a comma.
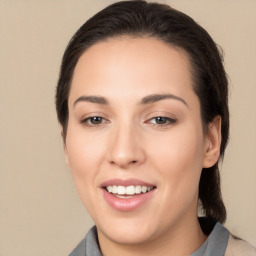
[(135, 142)]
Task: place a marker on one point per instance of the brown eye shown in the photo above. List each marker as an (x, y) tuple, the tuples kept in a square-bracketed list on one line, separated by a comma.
[(93, 121), (161, 120)]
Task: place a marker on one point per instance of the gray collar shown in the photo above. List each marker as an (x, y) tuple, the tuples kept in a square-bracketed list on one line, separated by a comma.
[(215, 245)]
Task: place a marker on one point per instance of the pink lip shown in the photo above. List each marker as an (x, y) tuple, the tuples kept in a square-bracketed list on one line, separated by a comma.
[(126, 204), (129, 182)]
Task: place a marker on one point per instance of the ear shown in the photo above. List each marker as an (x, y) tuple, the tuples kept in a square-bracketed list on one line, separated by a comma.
[(213, 142), (65, 149)]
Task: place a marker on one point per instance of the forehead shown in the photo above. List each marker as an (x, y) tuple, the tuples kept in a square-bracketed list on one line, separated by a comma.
[(132, 64), (138, 50)]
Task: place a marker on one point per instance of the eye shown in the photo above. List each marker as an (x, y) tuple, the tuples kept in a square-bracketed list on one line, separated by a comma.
[(93, 121), (162, 121)]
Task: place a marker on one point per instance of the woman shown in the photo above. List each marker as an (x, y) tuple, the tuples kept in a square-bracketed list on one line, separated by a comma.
[(143, 103)]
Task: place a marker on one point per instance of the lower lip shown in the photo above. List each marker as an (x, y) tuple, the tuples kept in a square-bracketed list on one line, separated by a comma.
[(127, 204)]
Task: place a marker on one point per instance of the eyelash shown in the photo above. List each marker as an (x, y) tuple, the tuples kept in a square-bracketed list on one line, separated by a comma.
[(88, 121), (166, 121)]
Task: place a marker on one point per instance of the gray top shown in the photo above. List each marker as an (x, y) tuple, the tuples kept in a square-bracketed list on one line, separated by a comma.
[(215, 245)]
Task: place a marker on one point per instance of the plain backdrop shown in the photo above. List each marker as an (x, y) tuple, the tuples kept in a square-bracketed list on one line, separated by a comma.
[(40, 212)]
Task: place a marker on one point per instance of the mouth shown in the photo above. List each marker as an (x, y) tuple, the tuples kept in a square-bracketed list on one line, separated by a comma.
[(126, 192), (127, 195)]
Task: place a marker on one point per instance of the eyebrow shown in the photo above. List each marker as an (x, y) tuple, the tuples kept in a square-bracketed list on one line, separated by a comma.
[(145, 100), (157, 97), (92, 99)]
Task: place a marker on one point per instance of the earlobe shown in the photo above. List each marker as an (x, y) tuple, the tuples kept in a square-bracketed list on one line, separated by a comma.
[(213, 142)]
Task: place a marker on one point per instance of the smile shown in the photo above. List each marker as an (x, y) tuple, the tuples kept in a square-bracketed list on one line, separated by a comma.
[(127, 195), (128, 191)]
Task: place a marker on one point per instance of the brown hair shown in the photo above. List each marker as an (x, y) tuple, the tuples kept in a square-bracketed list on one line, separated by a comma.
[(137, 19)]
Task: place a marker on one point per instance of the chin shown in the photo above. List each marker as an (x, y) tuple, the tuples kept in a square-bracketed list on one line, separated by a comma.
[(128, 232)]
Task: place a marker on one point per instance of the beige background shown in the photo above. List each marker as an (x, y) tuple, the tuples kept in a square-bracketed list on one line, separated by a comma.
[(40, 212)]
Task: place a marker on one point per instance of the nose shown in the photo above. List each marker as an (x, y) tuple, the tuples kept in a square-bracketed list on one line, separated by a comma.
[(126, 147)]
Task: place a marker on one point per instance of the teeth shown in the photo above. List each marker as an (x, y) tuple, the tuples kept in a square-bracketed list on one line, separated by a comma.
[(129, 190), (138, 189), (110, 189), (144, 189), (114, 189), (121, 190)]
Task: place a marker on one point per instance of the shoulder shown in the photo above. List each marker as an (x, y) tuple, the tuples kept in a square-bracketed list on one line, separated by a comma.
[(89, 245), (79, 250), (239, 247)]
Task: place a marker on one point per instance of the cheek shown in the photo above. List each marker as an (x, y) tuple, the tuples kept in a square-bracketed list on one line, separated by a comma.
[(183, 146), (85, 155), (181, 169), (179, 159), (85, 159), (83, 150)]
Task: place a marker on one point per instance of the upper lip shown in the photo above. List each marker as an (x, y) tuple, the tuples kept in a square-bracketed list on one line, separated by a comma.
[(127, 182)]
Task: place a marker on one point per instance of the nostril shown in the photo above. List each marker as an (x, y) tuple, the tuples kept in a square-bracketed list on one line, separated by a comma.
[(123, 164)]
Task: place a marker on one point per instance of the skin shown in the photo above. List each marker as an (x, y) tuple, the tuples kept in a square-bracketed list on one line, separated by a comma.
[(129, 143)]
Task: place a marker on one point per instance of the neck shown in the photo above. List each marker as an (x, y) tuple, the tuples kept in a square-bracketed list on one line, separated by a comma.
[(171, 243)]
